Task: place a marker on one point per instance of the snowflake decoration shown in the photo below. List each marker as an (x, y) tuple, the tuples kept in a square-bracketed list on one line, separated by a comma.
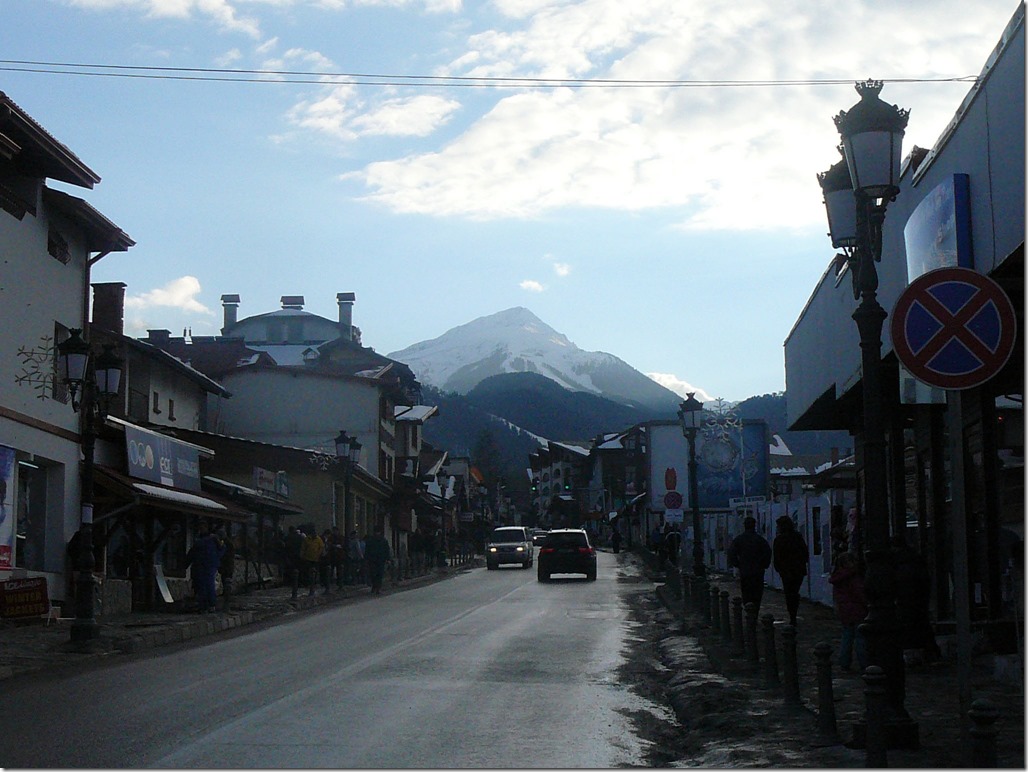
[(37, 368)]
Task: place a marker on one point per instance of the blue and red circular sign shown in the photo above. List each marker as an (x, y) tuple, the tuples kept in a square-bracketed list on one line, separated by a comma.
[(953, 328)]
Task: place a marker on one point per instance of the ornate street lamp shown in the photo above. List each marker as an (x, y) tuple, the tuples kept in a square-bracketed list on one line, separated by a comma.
[(348, 449), (689, 418), (98, 379), (872, 135)]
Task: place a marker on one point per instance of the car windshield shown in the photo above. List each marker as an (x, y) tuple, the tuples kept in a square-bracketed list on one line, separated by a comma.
[(504, 535), (570, 539)]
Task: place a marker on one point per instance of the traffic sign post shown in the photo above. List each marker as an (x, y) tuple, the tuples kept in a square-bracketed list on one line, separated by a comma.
[(953, 328)]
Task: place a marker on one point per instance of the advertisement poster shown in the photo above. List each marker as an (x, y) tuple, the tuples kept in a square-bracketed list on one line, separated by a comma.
[(6, 508)]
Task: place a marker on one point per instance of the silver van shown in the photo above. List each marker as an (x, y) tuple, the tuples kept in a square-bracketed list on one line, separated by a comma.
[(509, 544)]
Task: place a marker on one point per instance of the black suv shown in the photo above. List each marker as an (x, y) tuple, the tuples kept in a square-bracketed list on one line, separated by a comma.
[(566, 551)]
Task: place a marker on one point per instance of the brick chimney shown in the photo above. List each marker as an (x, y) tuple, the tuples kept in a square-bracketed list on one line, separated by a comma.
[(346, 301), (230, 305), (109, 306)]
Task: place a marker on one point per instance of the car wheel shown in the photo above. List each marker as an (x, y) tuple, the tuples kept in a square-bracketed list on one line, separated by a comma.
[(591, 576), (543, 577), (490, 566)]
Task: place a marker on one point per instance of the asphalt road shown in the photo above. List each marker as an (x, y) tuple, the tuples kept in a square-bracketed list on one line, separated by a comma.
[(487, 669)]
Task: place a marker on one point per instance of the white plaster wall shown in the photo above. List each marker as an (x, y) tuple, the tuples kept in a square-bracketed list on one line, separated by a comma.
[(300, 409)]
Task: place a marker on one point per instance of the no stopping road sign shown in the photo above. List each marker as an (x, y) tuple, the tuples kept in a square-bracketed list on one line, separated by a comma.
[(953, 328)]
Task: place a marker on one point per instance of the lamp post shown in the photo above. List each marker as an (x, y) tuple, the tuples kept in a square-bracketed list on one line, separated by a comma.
[(857, 192), (689, 418), (98, 378), (348, 449)]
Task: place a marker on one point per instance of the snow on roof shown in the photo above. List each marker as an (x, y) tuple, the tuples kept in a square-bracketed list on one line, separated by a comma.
[(795, 471), (611, 444), (285, 354), (573, 448), (778, 446), (413, 412), (179, 496)]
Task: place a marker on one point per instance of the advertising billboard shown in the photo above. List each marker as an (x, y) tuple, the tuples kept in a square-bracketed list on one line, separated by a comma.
[(732, 461)]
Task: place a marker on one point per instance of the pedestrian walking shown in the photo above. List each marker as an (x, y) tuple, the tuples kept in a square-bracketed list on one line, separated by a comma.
[(672, 542), (851, 607), (913, 595), (226, 568), (790, 559), (336, 556), (310, 554), (292, 546), (377, 554), (202, 560), (324, 565), (356, 553), (750, 553), (615, 540)]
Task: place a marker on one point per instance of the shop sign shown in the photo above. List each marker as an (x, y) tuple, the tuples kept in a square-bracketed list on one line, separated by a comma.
[(162, 459), (24, 598)]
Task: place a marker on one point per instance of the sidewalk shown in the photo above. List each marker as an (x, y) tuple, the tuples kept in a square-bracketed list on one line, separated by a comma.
[(35, 646), (932, 696)]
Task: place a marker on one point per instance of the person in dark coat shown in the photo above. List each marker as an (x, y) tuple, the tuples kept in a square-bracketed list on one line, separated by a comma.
[(751, 554), (851, 608), (293, 543), (615, 540), (791, 557), (913, 593), (376, 554), (203, 560), (226, 568)]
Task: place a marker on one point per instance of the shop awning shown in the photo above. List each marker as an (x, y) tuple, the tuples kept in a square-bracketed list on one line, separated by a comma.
[(127, 492)]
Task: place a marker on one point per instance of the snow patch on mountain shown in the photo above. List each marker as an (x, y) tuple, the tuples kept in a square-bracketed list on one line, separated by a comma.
[(515, 341)]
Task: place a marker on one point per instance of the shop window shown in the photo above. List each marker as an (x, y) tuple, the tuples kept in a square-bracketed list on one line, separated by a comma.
[(30, 541)]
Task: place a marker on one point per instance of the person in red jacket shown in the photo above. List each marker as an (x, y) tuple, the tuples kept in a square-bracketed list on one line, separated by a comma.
[(851, 607)]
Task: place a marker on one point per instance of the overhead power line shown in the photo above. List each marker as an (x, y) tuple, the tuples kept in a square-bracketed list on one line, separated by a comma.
[(228, 75)]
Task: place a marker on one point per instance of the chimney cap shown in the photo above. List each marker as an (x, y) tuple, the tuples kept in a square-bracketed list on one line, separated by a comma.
[(292, 301), (230, 299), (346, 297)]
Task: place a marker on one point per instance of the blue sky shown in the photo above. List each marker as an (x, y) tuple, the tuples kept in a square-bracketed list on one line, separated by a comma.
[(679, 228)]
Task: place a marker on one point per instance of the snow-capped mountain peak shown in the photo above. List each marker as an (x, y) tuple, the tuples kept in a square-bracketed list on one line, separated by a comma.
[(516, 340)]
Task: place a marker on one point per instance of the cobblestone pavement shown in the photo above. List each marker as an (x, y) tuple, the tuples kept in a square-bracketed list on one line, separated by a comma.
[(932, 690), (35, 646)]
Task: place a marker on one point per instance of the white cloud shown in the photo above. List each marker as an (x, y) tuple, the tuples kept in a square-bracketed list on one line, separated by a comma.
[(222, 12), (725, 158), (532, 285), (416, 116), (680, 387), (561, 269), (180, 293)]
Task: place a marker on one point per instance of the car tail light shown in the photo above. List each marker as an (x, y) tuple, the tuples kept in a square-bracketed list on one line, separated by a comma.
[(546, 550), (586, 550)]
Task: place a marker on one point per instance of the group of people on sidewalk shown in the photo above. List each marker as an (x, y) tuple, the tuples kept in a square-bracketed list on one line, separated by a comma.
[(332, 557), (751, 555)]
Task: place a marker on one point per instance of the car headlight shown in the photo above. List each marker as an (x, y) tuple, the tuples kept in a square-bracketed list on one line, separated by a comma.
[(492, 549), (521, 549)]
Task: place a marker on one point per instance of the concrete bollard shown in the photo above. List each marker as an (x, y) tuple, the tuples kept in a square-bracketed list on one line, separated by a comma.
[(875, 743), (790, 666), (983, 734), (738, 641), (771, 679), (826, 724), (752, 649), (726, 619), (715, 607)]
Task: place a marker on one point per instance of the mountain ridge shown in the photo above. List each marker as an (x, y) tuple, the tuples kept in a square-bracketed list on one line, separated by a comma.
[(516, 340)]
